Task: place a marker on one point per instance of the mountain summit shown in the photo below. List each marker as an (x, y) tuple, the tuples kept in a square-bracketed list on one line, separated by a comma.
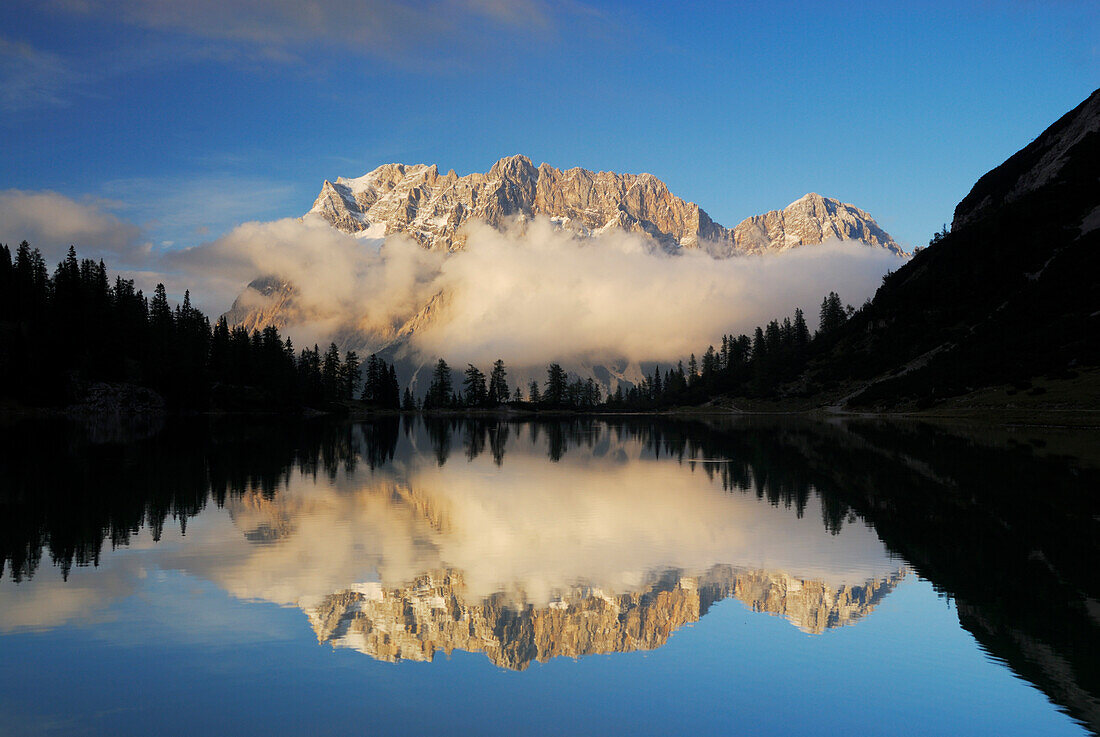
[(432, 208)]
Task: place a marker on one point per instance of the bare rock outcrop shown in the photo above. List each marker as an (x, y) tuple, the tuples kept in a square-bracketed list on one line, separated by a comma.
[(431, 208)]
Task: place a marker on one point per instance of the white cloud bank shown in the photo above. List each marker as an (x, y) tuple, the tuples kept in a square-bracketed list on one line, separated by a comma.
[(547, 296), (534, 295)]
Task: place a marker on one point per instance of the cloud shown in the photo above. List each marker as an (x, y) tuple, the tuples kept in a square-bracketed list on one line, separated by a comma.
[(187, 210), (546, 295), (531, 295), (341, 282), (280, 29), (52, 222), (31, 78)]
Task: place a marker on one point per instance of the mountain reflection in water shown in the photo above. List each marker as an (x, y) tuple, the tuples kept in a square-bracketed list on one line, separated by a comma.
[(528, 540)]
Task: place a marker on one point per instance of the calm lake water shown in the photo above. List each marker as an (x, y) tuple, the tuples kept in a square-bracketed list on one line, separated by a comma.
[(581, 576)]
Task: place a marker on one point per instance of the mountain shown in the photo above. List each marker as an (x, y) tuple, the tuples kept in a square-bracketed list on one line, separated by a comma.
[(432, 208), (1009, 295), (432, 614), (420, 203)]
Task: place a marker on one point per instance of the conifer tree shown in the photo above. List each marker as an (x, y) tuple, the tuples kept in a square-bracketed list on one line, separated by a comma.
[(832, 314), (498, 384), (393, 389), (159, 312), (330, 373), (441, 388), (801, 333), (474, 386), (556, 385), (350, 375)]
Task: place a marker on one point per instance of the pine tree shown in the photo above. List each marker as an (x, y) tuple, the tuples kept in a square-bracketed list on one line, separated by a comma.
[(710, 363), (473, 384), (441, 388), (498, 384), (759, 347), (556, 385), (773, 336), (330, 373), (393, 389), (350, 375), (159, 312), (801, 333), (832, 314)]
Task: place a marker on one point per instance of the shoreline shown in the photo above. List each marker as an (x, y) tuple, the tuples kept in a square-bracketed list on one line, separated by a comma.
[(1054, 417)]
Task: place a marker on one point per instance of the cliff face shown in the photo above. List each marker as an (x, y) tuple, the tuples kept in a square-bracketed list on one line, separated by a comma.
[(431, 614), (432, 208)]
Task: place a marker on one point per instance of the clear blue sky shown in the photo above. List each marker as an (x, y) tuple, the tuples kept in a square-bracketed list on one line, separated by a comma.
[(187, 118)]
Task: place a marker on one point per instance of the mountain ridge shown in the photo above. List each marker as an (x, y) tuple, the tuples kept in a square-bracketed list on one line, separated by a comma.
[(432, 208)]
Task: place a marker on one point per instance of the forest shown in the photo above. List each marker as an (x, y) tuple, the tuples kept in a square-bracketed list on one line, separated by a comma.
[(61, 332)]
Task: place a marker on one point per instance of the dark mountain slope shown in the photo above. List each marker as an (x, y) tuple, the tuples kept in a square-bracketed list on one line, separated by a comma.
[(1010, 294)]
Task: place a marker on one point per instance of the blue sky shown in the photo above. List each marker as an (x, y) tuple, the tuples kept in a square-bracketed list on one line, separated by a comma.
[(185, 119)]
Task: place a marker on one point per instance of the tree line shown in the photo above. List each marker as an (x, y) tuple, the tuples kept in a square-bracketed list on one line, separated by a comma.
[(776, 355), (477, 391), (62, 331), (58, 332)]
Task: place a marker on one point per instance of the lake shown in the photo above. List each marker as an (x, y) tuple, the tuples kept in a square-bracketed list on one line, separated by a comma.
[(601, 575)]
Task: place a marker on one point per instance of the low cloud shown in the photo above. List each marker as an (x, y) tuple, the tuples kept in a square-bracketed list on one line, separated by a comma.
[(531, 295), (341, 282), (546, 295), (52, 222)]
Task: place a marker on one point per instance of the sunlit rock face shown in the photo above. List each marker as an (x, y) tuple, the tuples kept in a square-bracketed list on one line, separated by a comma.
[(265, 301), (416, 200), (431, 614), (809, 220)]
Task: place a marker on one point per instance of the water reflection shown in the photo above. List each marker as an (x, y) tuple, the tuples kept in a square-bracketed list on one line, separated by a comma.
[(531, 540), (433, 613)]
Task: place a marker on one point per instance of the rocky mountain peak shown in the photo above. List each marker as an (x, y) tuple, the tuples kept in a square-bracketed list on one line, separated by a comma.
[(517, 168), (808, 220), (417, 201)]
